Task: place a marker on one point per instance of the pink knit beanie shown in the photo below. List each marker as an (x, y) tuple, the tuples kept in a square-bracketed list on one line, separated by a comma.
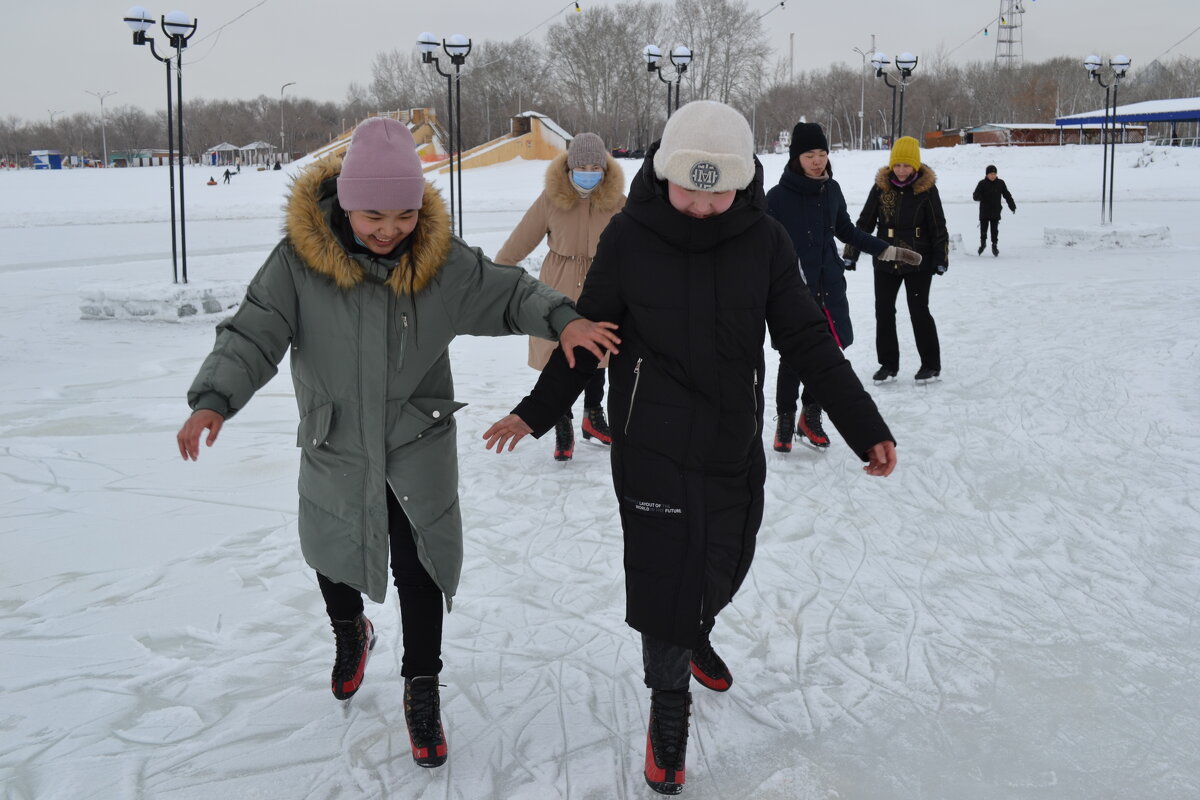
[(381, 170)]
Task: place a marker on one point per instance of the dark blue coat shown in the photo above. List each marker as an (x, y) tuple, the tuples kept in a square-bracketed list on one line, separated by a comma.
[(814, 212)]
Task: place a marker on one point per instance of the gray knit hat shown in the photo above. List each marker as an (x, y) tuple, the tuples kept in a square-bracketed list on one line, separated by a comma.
[(586, 150), (706, 146)]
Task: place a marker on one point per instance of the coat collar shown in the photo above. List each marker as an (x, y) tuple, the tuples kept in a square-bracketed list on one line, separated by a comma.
[(309, 227), (608, 195), (926, 178)]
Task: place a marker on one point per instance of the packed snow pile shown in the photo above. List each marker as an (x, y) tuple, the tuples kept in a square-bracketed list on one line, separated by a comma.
[(159, 302), (1134, 236)]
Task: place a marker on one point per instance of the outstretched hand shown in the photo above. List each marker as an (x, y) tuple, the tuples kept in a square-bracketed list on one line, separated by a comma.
[(881, 460), (188, 437), (597, 337), (509, 430)]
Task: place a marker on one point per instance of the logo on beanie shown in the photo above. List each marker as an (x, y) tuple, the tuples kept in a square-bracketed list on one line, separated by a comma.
[(705, 174)]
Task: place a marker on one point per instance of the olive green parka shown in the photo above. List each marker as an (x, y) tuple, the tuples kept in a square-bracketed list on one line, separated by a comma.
[(369, 338)]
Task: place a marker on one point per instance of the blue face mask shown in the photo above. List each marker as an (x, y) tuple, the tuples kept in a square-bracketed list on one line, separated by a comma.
[(586, 180)]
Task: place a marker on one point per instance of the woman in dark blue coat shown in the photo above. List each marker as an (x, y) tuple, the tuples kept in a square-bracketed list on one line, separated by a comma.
[(810, 204)]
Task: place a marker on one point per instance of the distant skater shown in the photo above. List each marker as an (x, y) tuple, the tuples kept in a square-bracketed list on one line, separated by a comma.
[(227, 176), (584, 188), (988, 193)]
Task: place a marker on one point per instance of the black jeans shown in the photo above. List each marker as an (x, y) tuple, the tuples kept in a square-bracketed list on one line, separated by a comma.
[(420, 599), (983, 230), (787, 388), (916, 288), (668, 666)]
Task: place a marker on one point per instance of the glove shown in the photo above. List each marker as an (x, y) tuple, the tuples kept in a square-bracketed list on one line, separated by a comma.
[(1013, 208), (850, 265), (941, 268), (901, 254)]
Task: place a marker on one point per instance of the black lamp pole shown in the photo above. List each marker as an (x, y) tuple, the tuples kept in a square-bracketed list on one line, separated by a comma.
[(457, 49)]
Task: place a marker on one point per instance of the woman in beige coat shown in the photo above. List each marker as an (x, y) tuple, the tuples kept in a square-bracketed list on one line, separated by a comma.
[(585, 188)]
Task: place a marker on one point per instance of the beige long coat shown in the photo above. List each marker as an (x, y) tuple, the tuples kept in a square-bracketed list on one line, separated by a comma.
[(572, 226)]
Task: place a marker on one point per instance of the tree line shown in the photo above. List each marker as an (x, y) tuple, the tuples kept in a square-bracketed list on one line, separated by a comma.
[(588, 74)]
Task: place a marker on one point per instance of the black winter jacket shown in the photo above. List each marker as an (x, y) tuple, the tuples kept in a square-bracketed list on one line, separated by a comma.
[(907, 216), (988, 194), (813, 212), (694, 300)]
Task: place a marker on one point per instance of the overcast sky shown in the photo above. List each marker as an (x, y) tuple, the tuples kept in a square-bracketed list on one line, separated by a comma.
[(52, 52)]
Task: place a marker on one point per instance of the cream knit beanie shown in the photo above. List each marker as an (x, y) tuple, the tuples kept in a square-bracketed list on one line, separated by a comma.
[(706, 146)]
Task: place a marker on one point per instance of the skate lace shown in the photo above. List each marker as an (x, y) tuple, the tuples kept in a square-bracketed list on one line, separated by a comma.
[(563, 436), (813, 420), (422, 709), (596, 418), (706, 658), (787, 427), (669, 729), (348, 637)]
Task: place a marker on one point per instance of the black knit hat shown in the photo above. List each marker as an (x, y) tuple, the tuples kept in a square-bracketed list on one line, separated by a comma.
[(807, 136), (990, 169)]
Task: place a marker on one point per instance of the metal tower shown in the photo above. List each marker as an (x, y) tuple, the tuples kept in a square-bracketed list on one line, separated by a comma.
[(1010, 49)]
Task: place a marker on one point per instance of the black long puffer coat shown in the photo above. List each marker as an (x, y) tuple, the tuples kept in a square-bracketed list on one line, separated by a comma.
[(694, 300), (908, 216)]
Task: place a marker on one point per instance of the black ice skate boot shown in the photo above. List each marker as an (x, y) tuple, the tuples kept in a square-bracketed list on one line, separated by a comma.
[(354, 639), (982, 245), (666, 739), (708, 668), (882, 374), (995, 249), (595, 426), (423, 715), (785, 429), (810, 426), (564, 439), (926, 374)]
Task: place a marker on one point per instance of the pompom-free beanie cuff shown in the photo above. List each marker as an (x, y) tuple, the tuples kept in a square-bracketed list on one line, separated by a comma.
[(702, 171), (380, 194)]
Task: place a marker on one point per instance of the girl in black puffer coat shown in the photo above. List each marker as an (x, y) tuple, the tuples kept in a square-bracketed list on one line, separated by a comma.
[(905, 209), (810, 204), (695, 272)]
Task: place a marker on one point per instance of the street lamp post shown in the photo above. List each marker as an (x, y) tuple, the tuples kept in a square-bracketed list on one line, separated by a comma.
[(178, 30), (1117, 67), (680, 57), (103, 133), (281, 146), (457, 48), (862, 97), (905, 64)]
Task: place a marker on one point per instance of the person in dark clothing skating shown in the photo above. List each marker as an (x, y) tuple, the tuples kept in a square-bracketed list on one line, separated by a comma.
[(905, 209), (694, 272), (810, 204), (988, 193)]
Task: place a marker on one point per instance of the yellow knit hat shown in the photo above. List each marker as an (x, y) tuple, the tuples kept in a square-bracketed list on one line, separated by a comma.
[(906, 150)]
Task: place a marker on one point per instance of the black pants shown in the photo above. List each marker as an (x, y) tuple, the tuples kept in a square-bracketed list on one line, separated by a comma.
[(983, 230), (787, 388), (420, 599), (668, 666), (593, 392), (916, 288)]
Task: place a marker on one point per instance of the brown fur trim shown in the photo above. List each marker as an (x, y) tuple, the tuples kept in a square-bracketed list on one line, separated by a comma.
[(926, 178), (319, 248), (605, 197)]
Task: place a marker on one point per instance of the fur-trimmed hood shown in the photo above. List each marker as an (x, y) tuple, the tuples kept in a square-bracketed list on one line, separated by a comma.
[(926, 179), (606, 197), (311, 230)]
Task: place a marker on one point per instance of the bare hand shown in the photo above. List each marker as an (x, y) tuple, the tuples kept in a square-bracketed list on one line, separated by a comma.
[(597, 337), (188, 437), (881, 460), (510, 430)]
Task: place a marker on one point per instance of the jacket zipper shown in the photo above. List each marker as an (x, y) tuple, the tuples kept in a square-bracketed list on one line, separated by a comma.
[(403, 339), (637, 376), (754, 397)]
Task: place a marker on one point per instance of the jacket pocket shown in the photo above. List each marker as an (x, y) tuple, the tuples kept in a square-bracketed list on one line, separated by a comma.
[(420, 414), (314, 427)]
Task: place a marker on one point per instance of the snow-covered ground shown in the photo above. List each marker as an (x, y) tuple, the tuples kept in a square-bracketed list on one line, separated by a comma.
[(1012, 615)]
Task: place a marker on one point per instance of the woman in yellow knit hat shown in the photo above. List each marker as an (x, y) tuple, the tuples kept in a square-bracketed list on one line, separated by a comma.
[(905, 209)]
